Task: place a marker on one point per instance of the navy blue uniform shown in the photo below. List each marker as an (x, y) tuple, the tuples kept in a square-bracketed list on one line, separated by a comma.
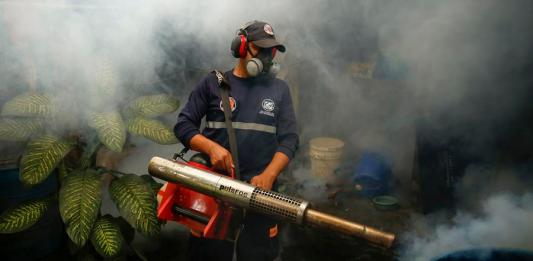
[(264, 122), (263, 118)]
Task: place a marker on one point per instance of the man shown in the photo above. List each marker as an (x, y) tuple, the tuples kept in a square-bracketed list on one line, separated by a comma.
[(265, 128)]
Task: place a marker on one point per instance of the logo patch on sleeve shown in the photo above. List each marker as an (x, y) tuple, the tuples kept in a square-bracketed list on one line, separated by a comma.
[(232, 104)]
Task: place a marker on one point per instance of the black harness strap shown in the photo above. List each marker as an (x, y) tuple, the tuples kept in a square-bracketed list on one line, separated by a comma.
[(224, 91)]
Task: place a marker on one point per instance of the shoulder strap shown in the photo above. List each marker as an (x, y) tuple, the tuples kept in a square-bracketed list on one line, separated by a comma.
[(224, 91)]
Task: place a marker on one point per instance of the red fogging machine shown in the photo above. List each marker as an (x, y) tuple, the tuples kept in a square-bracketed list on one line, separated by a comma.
[(210, 203), (206, 216)]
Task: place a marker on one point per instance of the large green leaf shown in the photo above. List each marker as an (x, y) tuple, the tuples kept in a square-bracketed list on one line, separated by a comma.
[(42, 156), (104, 93), (152, 129), (106, 77), (156, 186), (136, 202), (79, 202), (62, 170), (23, 216), (106, 237), (111, 129), (28, 105), (19, 129), (154, 105)]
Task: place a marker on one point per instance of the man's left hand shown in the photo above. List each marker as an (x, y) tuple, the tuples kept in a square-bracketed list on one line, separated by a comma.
[(264, 180)]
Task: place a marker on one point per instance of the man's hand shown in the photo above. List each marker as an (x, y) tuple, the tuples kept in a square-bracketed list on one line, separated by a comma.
[(264, 180), (220, 158)]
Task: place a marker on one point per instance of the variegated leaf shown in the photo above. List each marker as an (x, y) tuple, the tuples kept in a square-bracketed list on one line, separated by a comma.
[(41, 158), (79, 203), (106, 77), (111, 129), (106, 237), (20, 129), (152, 129), (136, 202), (154, 105), (28, 105), (156, 186), (62, 170), (23, 216)]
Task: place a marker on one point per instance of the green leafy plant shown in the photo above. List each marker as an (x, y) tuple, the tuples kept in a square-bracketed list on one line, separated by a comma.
[(31, 117), (23, 216), (133, 196), (41, 158), (110, 128), (79, 204), (106, 237)]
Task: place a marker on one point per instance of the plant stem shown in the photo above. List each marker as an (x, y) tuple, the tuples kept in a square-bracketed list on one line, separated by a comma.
[(93, 144)]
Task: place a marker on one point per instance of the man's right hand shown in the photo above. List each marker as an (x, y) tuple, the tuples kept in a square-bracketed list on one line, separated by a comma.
[(220, 157)]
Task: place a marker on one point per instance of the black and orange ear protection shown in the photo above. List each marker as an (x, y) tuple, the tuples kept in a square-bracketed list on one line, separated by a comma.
[(239, 45)]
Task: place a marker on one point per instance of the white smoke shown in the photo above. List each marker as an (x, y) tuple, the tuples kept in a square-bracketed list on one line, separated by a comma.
[(494, 210), (463, 58), (59, 45), (310, 187), (504, 222)]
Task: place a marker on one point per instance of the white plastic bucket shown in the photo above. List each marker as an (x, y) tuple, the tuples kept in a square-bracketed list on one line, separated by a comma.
[(325, 154)]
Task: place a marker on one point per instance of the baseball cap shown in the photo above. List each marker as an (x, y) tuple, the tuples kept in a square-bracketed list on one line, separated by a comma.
[(262, 35)]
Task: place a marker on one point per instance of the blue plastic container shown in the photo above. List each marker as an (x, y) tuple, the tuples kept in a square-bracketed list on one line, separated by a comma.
[(487, 254), (13, 192), (46, 236), (372, 175)]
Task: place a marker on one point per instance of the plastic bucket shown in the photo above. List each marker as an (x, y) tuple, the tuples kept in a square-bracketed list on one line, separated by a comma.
[(325, 154)]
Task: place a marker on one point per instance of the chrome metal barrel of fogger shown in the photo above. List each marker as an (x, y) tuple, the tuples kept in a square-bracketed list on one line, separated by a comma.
[(270, 203)]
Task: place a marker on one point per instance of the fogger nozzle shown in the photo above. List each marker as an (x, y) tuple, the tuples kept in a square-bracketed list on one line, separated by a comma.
[(270, 203)]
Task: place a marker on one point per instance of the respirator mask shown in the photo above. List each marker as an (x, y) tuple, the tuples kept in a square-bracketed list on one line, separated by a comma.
[(263, 63)]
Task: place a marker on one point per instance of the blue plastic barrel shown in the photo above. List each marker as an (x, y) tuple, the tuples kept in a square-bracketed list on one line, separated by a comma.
[(43, 238), (12, 191), (488, 254), (372, 174)]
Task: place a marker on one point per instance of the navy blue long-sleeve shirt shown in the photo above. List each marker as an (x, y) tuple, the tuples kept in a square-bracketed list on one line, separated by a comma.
[(262, 115)]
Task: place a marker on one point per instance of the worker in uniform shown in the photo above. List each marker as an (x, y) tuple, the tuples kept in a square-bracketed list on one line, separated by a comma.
[(265, 128)]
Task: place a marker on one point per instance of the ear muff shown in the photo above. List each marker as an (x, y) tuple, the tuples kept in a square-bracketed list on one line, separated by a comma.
[(239, 44), (236, 46), (243, 47)]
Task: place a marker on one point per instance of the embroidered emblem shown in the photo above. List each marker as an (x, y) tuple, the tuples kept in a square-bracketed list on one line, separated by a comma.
[(268, 29), (232, 104), (268, 105)]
